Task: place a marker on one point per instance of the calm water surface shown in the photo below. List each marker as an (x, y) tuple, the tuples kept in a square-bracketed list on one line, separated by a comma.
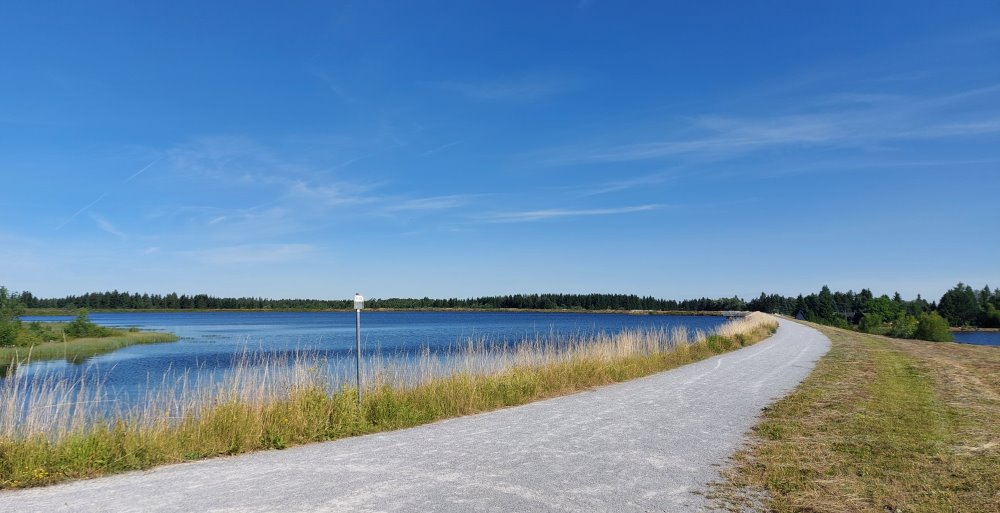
[(211, 342), (981, 338)]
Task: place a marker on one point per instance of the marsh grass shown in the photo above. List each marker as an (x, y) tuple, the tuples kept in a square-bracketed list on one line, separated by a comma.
[(79, 349), (53, 430)]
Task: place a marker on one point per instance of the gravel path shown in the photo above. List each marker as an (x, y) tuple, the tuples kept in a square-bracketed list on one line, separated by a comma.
[(647, 445)]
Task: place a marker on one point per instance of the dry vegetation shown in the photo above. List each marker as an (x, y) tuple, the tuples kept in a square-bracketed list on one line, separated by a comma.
[(274, 404), (882, 425)]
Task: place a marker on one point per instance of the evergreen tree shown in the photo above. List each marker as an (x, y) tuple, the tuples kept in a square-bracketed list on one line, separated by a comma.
[(984, 297), (959, 305), (865, 296), (825, 308)]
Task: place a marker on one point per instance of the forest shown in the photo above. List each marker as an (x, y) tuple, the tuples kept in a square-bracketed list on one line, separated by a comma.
[(960, 306), (115, 300)]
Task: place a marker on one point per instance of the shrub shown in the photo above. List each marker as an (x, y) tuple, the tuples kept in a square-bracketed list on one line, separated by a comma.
[(8, 332), (905, 326), (933, 327), (872, 323), (10, 324), (45, 332), (840, 322), (82, 327)]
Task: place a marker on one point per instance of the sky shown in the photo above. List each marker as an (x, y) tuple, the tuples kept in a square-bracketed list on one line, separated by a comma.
[(467, 148)]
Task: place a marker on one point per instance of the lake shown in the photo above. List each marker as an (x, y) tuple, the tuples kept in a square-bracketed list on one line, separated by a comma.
[(211, 342), (981, 338)]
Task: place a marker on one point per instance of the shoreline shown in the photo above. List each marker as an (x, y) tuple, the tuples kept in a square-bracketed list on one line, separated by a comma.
[(974, 330), (264, 409), (56, 312)]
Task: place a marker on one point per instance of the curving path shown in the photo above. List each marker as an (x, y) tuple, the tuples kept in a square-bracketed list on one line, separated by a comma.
[(646, 445)]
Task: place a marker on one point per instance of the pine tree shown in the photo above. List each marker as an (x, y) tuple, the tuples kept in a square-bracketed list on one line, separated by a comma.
[(959, 305)]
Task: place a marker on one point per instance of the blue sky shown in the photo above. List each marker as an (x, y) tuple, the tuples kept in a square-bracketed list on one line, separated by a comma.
[(675, 149)]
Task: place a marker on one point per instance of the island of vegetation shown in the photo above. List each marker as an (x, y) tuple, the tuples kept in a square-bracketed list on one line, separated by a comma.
[(71, 341)]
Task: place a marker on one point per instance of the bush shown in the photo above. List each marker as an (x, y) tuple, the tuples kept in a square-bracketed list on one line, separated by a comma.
[(82, 327), (8, 332), (840, 322), (872, 323), (10, 324), (933, 327), (905, 326)]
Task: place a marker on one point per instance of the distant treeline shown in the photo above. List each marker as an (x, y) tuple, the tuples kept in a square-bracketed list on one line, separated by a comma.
[(960, 306), (895, 316), (115, 300)]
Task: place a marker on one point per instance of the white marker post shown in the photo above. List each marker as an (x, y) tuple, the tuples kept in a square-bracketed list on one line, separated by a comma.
[(359, 303)]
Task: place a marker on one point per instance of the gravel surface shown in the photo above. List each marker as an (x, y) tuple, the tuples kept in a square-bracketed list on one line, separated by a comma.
[(651, 444)]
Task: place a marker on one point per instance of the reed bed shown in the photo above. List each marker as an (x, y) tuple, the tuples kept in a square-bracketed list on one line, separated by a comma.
[(52, 430), (81, 348)]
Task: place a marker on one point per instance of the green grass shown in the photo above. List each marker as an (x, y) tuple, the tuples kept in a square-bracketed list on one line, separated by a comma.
[(75, 350), (882, 425), (262, 407)]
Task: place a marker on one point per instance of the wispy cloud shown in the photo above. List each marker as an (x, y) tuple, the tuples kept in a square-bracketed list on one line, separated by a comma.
[(519, 89), (619, 185), (726, 137), (336, 87), (251, 253), (432, 203), (348, 194), (859, 120), (441, 148), (249, 215), (107, 226), (232, 159), (541, 215), (954, 130), (340, 194)]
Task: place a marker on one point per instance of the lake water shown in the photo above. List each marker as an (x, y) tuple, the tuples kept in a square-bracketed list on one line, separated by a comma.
[(211, 342), (981, 338)]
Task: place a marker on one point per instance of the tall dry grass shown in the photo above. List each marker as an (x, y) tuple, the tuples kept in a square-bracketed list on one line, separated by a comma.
[(55, 429)]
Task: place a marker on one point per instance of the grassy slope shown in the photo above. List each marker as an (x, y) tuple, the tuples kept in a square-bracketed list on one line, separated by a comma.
[(310, 415), (80, 348), (881, 425)]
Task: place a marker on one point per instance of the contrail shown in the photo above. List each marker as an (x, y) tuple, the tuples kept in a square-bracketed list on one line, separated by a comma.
[(442, 147), (99, 198), (82, 210), (139, 172)]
